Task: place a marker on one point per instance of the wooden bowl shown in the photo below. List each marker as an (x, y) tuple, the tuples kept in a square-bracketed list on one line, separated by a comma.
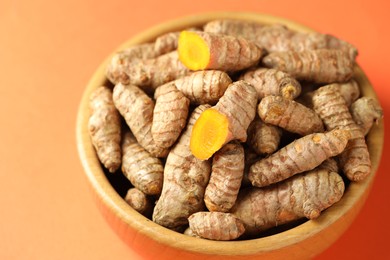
[(156, 242)]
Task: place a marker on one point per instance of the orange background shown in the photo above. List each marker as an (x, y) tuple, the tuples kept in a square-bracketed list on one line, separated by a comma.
[(48, 51)]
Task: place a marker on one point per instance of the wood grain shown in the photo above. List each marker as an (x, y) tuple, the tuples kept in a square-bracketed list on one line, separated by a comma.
[(151, 240)]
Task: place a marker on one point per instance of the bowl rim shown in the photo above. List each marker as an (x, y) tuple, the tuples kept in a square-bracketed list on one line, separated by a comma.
[(107, 194)]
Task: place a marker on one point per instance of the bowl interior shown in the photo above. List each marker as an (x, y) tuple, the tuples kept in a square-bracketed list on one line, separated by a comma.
[(334, 217)]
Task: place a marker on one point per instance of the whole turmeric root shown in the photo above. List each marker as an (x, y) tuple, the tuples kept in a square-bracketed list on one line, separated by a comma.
[(319, 66), (201, 51), (303, 154), (303, 195), (365, 112), (349, 91), (104, 128), (116, 69), (139, 201), (137, 110), (237, 28), (216, 225), (226, 177), (185, 180), (151, 73), (169, 115), (263, 138), (278, 38), (203, 87), (332, 108), (227, 120), (272, 82), (290, 115), (142, 169)]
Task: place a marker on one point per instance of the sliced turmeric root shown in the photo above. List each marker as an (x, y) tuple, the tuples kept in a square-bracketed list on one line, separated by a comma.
[(226, 121), (201, 50)]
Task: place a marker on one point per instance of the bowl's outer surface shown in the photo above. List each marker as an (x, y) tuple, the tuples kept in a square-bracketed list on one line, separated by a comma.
[(155, 242)]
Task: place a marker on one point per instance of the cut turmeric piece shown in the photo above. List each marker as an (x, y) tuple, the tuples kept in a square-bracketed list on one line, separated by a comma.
[(201, 50), (229, 119), (193, 51), (212, 134)]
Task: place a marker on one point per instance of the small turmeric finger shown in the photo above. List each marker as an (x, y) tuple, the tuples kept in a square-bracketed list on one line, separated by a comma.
[(137, 109), (152, 73), (290, 115), (226, 177), (116, 69), (169, 115), (263, 138), (303, 195), (104, 128), (201, 50), (301, 155), (142, 169), (333, 110), (216, 225), (319, 66), (365, 112), (272, 82), (204, 87), (139, 201), (227, 120)]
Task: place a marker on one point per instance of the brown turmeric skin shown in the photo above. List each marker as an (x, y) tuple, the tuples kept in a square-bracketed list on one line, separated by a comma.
[(263, 138), (237, 28), (272, 82), (349, 91), (303, 154), (204, 87), (152, 73), (185, 180), (216, 225), (365, 112), (104, 128), (332, 108), (166, 43), (226, 177), (279, 38), (319, 66), (137, 110), (169, 115), (139, 201), (226, 121), (116, 69), (142, 169), (201, 51), (290, 115), (303, 195)]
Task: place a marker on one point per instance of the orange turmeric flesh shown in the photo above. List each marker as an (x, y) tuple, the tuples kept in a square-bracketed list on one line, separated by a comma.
[(210, 133), (201, 50), (193, 51)]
